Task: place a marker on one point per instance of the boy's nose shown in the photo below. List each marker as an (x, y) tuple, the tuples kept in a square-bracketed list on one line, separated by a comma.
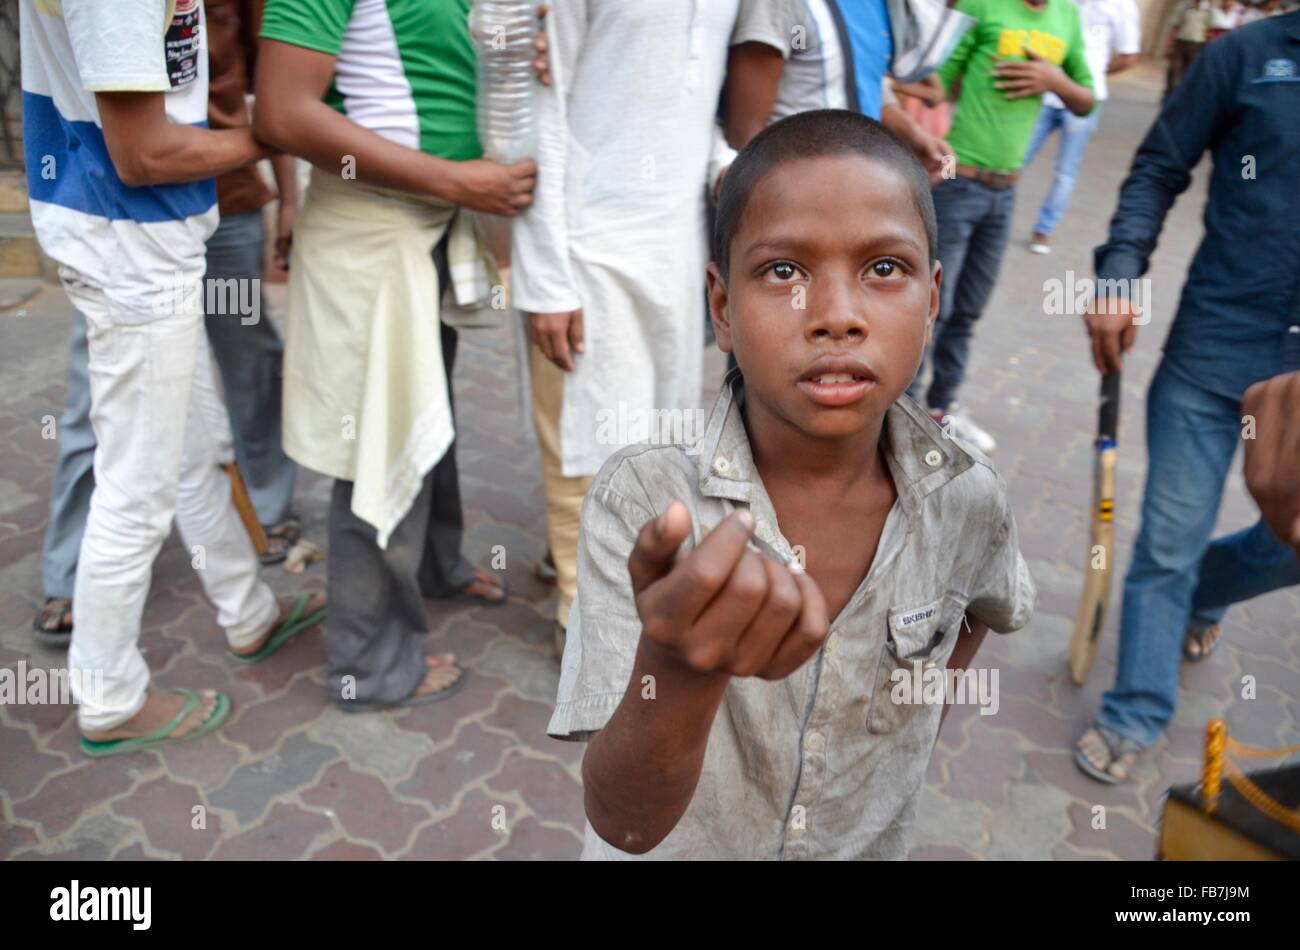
[(837, 315)]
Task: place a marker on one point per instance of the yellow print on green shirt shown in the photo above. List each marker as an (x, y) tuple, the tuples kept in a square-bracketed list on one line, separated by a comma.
[(1013, 43)]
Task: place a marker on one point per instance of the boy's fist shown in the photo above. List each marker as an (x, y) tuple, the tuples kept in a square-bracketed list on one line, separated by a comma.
[(724, 608)]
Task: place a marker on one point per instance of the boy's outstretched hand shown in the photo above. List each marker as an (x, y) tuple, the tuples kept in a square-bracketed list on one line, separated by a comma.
[(724, 608)]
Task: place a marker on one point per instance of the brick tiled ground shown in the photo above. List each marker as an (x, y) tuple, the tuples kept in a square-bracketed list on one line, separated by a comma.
[(475, 776)]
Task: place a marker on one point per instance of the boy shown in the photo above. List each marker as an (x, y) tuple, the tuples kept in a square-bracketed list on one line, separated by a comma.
[(711, 735)]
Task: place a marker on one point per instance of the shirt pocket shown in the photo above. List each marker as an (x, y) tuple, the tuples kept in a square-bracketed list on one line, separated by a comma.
[(919, 638)]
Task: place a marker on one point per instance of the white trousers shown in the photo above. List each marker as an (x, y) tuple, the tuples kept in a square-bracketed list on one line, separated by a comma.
[(162, 431)]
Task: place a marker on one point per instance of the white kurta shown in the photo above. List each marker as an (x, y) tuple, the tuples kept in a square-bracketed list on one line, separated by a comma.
[(628, 148)]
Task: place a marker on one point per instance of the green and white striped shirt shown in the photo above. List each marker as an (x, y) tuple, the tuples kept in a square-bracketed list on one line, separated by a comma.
[(404, 69)]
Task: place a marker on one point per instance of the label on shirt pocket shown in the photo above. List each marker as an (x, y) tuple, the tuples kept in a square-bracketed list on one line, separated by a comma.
[(919, 635)]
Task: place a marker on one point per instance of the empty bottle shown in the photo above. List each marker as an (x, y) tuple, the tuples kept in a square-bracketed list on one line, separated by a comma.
[(503, 32)]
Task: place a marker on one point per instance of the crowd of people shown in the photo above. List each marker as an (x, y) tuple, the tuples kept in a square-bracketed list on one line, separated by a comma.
[(841, 198)]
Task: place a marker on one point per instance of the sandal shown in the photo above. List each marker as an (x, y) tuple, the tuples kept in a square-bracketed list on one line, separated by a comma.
[(122, 746), (53, 623), (1199, 642), (421, 699), (293, 625), (486, 579), (280, 537), (1122, 755)]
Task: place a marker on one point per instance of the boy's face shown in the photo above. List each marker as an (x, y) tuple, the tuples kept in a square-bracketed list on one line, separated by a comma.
[(831, 293)]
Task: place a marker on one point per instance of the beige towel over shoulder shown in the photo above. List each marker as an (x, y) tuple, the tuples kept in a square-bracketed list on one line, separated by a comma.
[(365, 395)]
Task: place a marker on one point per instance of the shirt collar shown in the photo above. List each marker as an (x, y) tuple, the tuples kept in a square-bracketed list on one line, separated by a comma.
[(920, 455)]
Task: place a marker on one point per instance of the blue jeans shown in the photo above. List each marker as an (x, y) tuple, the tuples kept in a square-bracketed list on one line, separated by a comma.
[(974, 227), (1176, 575), (250, 357), (1075, 133)]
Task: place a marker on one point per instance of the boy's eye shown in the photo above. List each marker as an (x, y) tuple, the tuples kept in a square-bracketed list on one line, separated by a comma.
[(884, 268), (782, 271)]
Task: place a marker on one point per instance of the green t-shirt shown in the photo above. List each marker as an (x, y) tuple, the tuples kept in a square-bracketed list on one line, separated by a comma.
[(404, 69), (989, 130)]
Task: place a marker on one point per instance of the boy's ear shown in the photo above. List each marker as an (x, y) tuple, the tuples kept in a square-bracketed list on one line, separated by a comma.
[(936, 282), (718, 313)]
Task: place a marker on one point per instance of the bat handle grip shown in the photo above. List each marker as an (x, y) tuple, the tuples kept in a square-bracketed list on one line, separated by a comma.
[(1108, 415)]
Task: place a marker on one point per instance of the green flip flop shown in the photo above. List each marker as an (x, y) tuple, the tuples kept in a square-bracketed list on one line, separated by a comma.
[(122, 746), (295, 624)]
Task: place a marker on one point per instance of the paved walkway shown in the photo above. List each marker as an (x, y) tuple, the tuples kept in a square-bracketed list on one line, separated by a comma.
[(475, 776)]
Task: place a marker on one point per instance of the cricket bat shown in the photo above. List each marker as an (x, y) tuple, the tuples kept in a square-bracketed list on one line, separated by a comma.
[(244, 505), (1101, 537)]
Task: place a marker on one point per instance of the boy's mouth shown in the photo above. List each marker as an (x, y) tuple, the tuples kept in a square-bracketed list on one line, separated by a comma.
[(837, 380)]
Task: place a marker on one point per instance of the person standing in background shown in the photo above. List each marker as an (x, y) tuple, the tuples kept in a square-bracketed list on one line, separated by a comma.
[(1238, 323), (248, 354), (608, 266), (1112, 33), (248, 349), (1016, 52), (1186, 41), (379, 95)]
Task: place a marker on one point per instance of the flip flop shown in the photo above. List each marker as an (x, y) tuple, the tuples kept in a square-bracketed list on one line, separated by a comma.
[(293, 625), (57, 609), (122, 746), (353, 706), (1116, 746), (288, 530)]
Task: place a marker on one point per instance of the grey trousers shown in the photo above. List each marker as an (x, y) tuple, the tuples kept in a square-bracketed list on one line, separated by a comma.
[(377, 623), (249, 357)]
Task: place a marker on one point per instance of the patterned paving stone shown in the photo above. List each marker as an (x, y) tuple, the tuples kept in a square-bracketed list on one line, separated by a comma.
[(545, 786), (253, 786), (288, 832), (476, 753), (372, 742), (531, 841), (175, 817), (365, 807), (480, 824)]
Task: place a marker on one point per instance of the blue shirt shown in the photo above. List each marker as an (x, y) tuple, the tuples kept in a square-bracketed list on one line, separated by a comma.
[(1238, 320)]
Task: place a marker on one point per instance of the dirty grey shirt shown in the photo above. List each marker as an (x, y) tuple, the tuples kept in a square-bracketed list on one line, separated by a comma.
[(822, 764)]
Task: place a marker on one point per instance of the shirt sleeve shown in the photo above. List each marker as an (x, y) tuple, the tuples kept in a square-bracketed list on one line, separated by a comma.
[(1004, 594), (956, 64), (1128, 31), (119, 46), (542, 278), (312, 24), (771, 22), (603, 629), (1194, 118)]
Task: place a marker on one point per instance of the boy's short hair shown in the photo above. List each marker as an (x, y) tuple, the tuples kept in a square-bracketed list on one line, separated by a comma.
[(822, 132)]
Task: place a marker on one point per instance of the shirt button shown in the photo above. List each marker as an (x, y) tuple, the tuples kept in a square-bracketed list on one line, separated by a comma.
[(721, 465), (1294, 329), (933, 458), (815, 741)]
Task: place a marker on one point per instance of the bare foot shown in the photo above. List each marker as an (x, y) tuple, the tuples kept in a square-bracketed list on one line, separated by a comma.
[(443, 672), (158, 710), (316, 602), (485, 587)]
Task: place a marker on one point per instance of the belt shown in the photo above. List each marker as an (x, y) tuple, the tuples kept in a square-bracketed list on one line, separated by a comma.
[(991, 178)]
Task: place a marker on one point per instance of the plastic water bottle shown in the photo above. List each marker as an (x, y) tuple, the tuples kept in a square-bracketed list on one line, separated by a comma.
[(503, 32)]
